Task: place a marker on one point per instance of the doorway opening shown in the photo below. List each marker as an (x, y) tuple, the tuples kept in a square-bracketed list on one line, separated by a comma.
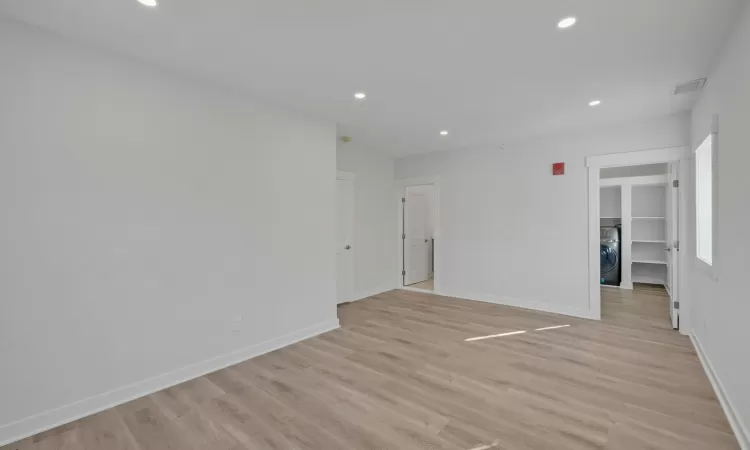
[(418, 236), (637, 239), (636, 213), (345, 237)]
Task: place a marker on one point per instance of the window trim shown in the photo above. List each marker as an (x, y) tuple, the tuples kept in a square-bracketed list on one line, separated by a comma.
[(710, 270)]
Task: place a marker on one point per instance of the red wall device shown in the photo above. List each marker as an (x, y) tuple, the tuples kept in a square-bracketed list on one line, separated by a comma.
[(558, 169)]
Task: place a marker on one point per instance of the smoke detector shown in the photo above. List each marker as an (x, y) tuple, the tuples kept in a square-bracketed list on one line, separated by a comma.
[(690, 86)]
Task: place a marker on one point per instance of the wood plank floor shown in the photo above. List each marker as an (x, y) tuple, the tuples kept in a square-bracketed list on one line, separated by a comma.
[(400, 375), (428, 284)]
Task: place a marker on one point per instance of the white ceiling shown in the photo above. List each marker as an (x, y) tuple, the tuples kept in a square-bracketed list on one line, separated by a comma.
[(490, 71)]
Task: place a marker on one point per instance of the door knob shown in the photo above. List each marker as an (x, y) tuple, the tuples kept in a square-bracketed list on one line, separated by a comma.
[(427, 240), (348, 247)]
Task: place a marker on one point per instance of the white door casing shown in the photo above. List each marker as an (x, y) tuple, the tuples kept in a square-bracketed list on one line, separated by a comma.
[(634, 158), (672, 247), (416, 242), (344, 240)]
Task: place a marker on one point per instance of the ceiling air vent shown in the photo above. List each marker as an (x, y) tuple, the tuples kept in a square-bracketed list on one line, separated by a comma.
[(690, 86)]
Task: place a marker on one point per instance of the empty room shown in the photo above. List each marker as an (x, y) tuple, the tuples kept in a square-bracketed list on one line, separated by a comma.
[(479, 225)]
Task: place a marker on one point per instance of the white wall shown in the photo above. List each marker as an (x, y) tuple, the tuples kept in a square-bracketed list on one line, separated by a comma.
[(649, 201), (375, 217), (610, 202), (149, 223), (513, 233), (721, 309)]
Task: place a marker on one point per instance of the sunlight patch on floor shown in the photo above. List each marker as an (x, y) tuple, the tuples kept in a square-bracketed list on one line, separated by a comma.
[(485, 447), (513, 333), (494, 336), (551, 328)]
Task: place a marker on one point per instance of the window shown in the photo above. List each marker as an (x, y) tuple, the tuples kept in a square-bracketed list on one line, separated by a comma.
[(705, 208)]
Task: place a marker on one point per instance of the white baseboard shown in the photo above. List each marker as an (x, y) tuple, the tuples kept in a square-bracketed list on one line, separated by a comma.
[(526, 304), (627, 286), (47, 420), (369, 293), (424, 291), (740, 431)]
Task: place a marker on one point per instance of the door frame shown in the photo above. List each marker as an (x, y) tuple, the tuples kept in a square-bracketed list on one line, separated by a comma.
[(400, 186), (655, 156), (349, 176), (673, 229)]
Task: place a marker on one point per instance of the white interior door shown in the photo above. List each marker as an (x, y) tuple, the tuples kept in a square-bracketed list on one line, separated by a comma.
[(416, 240), (345, 240), (672, 247)]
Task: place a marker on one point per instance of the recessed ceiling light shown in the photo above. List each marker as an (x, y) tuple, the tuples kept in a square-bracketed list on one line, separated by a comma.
[(595, 102), (360, 95), (149, 3), (566, 22), (444, 133)]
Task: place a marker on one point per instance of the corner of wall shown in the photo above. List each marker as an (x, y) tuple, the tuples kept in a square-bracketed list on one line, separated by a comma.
[(16, 431), (735, 421)]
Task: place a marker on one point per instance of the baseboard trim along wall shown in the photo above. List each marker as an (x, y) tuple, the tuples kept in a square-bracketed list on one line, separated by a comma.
[(526, 304), (47, 420), (743, 437), (369, 293)]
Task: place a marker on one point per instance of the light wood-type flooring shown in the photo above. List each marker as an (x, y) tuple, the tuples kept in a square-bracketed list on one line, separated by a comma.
[(428, 284), (400, 375)]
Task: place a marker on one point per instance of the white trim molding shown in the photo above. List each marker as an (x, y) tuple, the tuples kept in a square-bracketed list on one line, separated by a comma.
[(595, 300), (399, 186), (650, 180), (710, 270), (15, 431), (413, 289), (416, 181), (373, 292), (340, 175), (533, 305), (740, 430), (641, 157), (655, 156)]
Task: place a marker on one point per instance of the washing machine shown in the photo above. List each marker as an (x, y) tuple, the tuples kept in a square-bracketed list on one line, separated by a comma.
[(610, 256)]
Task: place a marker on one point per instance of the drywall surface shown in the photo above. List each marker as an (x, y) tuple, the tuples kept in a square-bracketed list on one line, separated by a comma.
[(375, 232), (649, 201), (610, 202), (512, 232), (150, 222), (721, 308)]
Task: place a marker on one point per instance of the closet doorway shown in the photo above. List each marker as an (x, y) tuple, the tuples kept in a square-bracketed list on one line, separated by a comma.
[(636, 213), (344, 237), (418, 220)]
